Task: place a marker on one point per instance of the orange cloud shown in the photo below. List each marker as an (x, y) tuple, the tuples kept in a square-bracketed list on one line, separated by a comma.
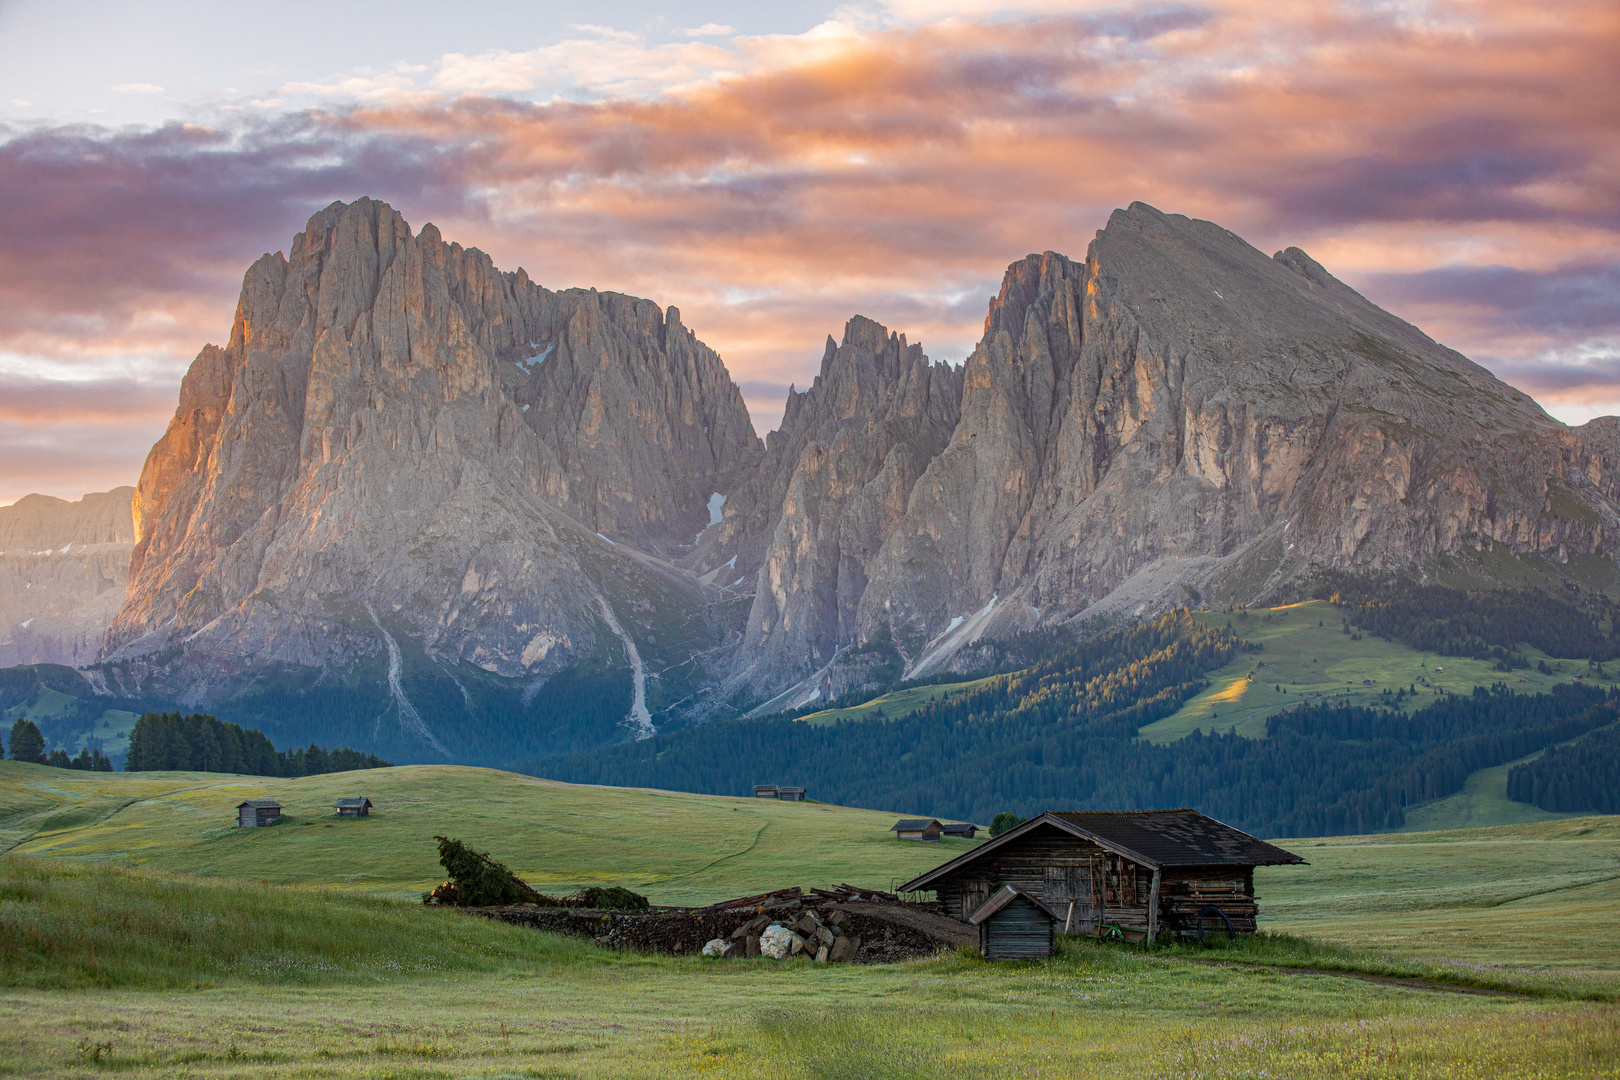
[(896, 172)]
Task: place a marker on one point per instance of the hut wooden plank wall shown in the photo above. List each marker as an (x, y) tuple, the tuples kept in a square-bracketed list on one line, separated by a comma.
[(257, 812), (1144, 871), (1013, 926)]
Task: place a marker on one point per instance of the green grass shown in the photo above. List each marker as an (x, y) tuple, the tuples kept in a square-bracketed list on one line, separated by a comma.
[(64, 924), (151, 973), (674, 847), (893, 705), (1310, 662), (1537, 904)]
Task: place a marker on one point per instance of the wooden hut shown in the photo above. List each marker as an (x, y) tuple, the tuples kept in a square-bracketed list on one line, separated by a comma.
[(1139, 872), (790, 794), (357, 806), (962, 829), (764, 791), (256, 812), (1014, 926), (917, 829)]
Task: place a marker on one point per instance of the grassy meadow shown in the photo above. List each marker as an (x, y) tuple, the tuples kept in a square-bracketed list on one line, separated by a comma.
[(894, 704), (674, 847), (1302, 659), (141, 935)]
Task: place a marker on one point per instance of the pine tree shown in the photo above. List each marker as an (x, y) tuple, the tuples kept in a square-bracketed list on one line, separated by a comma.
[(27, 744)]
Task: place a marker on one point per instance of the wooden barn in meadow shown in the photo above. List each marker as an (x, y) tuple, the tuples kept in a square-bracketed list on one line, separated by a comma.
[(917, 829), (1143, 871), (256, 812), (355, 806), (1013, 926), (962, 829)]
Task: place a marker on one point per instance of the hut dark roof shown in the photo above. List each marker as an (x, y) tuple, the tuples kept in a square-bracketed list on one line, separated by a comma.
[(356, 803), (1156, 838), (1003, 897), (958, 827), (912, 824), (260, 804), (1177, 838)]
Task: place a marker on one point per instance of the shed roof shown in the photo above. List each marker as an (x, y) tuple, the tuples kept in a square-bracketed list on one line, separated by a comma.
[(958, 827), (1003, 897), (913, 824), (1178, 838), (1155, 838), (260, 804), (355, 803)]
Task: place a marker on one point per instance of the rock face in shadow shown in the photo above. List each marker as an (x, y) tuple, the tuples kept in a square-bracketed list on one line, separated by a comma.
[(400, 443), (63, 568), (833, 486)]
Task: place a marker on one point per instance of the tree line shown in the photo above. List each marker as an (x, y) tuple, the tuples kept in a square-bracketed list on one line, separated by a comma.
[(1062, 734), (201, 743), (28, 744), (1454, 622), (1583, 776)]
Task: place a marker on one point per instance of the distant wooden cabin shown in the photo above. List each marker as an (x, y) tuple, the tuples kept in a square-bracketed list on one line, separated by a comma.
[(359, 806), (1015, 926), (1141, 871), (962, 829), (790, 794), (917, 829), (764, 791), (256, 812)]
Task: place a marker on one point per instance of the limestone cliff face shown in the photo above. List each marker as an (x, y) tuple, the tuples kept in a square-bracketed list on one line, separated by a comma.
[(404, 460), (832, 487), (401, 442), (63, 567), (1182, 416)]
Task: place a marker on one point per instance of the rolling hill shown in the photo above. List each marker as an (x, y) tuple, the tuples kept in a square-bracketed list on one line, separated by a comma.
[(674, 847)]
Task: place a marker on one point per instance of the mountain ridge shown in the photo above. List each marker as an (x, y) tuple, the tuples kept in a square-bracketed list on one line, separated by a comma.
[(453, 502)]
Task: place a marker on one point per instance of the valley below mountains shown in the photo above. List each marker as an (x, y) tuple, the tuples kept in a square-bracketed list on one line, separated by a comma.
[(433, 510)]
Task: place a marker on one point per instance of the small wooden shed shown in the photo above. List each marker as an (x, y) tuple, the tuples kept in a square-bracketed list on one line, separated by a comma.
[(257, 812), (790, 794), (356, 806), (764, 791), (963, 829), (917, 829), (1014, 926)]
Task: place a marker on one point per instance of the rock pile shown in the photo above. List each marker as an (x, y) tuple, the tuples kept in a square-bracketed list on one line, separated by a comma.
[(824, 940), (848, 924)]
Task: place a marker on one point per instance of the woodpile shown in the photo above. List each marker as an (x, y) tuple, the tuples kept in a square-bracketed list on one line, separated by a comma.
[(842, 925)]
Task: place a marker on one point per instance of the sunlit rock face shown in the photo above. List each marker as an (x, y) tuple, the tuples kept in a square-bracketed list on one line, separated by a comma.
[(405, 460), (63, 567), (400, 441), (1180, 416)]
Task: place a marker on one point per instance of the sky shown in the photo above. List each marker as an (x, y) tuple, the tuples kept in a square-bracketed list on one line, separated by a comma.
[(773, 169)]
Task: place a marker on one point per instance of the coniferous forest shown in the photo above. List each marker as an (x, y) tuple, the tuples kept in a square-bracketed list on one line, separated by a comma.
[(201, 743), (1583, 776), (1062, 734)]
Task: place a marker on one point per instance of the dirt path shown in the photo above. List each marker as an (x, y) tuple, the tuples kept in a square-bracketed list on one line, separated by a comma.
[(1428, 985)]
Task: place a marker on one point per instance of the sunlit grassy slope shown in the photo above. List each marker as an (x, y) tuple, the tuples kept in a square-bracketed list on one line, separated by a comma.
[(1302, 660), (895, 704), (675, 847)]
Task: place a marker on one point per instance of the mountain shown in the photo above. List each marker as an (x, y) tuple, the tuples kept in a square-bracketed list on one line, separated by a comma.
[(63, 567), (400, 493), (430, 509), (1181, 419)]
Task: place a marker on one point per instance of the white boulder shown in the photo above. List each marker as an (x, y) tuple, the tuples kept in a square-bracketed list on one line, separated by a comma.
[(776, 942), (716, 947)]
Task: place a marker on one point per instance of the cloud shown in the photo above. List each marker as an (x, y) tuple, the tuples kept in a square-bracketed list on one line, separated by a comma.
[(709, 30), (1458, 162)]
